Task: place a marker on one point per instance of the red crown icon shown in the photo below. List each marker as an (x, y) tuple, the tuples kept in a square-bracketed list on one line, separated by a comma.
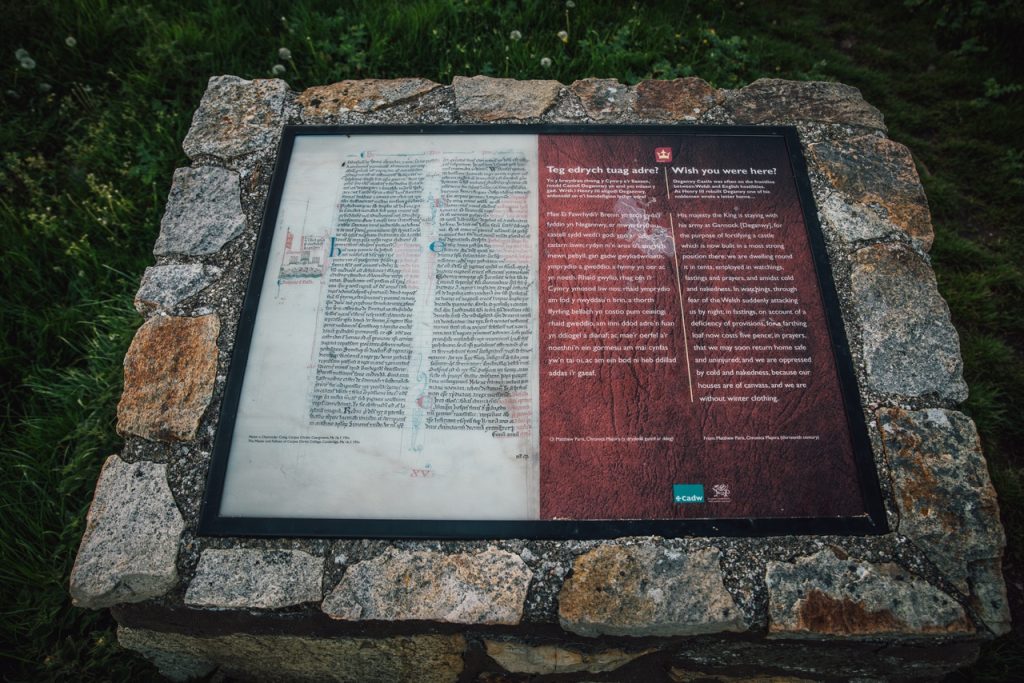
[(663, 155)]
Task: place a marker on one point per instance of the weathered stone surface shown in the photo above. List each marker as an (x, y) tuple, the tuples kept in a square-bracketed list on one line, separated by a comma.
[(910, 345), (324, 101), (922, 659), (237, 117), (988, 595), (682, 99), (646, 590), (164, 287), (831, 595), (879, 175), (131, 537), (204, 212), (604, 99), (482, 98), (946, 501), (184, 664), (552, 659), (248, 578), (426, 658), (680, 675), (853, 223), (169, 373), (772, 100), (487, 587)]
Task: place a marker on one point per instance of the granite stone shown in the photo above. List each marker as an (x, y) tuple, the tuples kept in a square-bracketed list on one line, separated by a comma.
[(164, 287), (204, 212), (487, 587), (946, 501), (249, 578), (323, 102), (682, 99), (878, 175), (831, 595), (519, 657), (603, 99), (910, 346), (286, 658), (828, 660), (169, 373), (681, 675), (130, 543), (482, 98), (988, 595), (854, 224), (777, 101), (237, 117), (647, 590)]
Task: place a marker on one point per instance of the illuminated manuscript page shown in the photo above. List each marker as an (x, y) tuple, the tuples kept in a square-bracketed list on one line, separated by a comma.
[(393, 365)]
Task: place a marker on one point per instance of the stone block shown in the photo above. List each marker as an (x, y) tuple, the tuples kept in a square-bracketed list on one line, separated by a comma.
[(603, 99), (169, 373), (852, 223), (204, 212), (326, 101), (776, 101), (482, 98), (946, 501), (831, 595), (647, 590), (248, 578), (988, 595), (520, 657), (164, 287), (910, 346), (130, 544), (879, 176), (487, 587), (237, 117), (681, 675), (818, 659), (682, 99), (286, 658)]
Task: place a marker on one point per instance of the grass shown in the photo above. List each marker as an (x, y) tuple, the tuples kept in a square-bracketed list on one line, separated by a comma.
[(91, 133)]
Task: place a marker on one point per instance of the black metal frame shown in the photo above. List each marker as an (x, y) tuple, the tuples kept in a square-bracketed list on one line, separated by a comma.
[(872, 522)]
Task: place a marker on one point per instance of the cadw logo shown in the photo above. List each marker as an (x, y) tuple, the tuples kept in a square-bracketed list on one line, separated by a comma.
[(663, 155), (688, 493)]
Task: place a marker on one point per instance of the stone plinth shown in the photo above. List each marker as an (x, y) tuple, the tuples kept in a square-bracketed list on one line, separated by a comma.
[(913, 603)]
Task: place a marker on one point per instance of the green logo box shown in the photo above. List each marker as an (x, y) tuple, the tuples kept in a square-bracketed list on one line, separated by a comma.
[(688, 493)]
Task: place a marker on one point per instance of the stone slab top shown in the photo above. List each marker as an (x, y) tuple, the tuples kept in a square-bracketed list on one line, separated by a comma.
[(935, 576)]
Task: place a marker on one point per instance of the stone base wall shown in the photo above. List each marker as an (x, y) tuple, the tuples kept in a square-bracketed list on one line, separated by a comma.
[(911, 604)]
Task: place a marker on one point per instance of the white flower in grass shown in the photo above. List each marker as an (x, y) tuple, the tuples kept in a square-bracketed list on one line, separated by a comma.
[(545, 62), (27, 63), (563, 36), (284, 53), (70, 41), (569, 4), (45, 88), (20, 54), (278, 69), (515, 35)]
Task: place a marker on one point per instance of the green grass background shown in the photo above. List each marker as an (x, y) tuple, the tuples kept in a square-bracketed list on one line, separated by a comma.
[(94, 109)]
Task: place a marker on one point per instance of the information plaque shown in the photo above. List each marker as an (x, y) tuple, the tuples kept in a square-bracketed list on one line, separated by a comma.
[(547, 332)]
